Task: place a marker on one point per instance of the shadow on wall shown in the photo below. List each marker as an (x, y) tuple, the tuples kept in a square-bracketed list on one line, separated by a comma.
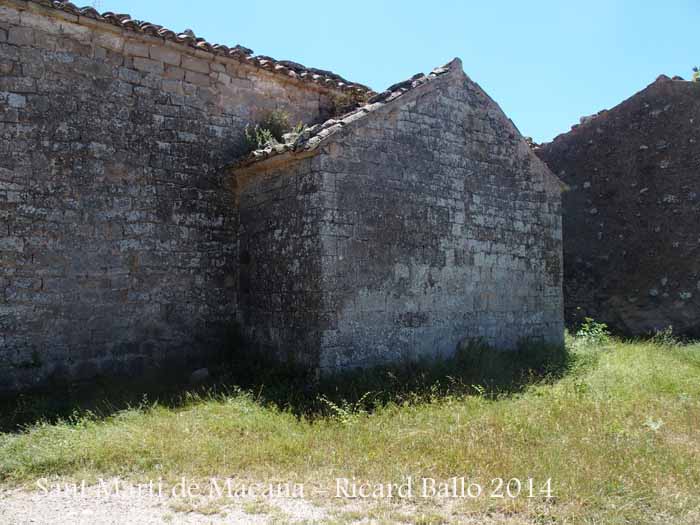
[(475, 369)]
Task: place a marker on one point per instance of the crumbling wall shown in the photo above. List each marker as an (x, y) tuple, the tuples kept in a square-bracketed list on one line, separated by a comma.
[(118, 243), (631, 215), (440, 226)]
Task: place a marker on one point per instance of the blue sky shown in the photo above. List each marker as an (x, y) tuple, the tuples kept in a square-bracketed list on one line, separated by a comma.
[(546, 63)]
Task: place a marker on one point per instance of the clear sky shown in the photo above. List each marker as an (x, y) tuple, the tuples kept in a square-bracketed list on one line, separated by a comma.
[(546, 63)]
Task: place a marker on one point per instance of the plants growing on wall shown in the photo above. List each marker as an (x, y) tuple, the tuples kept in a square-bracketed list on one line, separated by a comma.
[(269, 130)]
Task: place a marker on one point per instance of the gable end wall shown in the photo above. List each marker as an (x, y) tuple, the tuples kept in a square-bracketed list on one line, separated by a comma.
[(439, 226)]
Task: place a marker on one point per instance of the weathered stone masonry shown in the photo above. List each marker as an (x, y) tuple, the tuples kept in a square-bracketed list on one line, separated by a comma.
[(118, 243), (413, 223), (416, 222), (631, 216)]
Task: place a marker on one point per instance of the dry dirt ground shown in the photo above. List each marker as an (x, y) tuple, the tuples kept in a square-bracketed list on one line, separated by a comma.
[(58, 507)]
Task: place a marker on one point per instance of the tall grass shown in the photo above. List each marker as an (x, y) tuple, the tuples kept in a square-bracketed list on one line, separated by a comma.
[(616, 426)]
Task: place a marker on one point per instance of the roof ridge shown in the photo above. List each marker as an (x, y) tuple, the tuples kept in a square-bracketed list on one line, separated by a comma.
[(187, 37), (310, 138)]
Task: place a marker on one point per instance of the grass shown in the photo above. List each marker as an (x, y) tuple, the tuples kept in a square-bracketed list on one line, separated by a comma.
[(615, 425)]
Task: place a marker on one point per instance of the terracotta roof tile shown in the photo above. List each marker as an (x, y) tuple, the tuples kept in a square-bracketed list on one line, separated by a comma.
[(243, 54), (312, 137)]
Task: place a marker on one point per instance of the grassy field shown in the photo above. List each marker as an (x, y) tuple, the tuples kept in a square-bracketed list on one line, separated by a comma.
[(615, 426)]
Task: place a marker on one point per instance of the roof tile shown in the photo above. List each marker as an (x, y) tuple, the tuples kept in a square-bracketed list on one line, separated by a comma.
[(240, 53), (312, 137)]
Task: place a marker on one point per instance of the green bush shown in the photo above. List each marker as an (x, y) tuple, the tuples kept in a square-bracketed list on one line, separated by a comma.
[(592, 332), (269, 130)]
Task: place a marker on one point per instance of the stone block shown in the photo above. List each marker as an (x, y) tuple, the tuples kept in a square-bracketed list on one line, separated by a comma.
[(165, 55), (110, 41), (174, 73), (129, 75), (173, 86), (136, 49), (197, 78), (16, 101), (148, 65), (9, 15), (21, 36), (11, 244), (195, 64), (18, 84)]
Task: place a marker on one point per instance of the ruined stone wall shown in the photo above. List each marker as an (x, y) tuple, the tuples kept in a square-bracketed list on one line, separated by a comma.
[(440, 225), (280, 262), (632, 212), (117, 237)]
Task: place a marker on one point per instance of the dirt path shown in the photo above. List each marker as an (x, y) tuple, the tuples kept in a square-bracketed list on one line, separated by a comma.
[(20, 507), (92, 506)]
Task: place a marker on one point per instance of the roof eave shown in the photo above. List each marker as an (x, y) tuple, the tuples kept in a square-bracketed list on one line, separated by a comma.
[(251, 165), (109, 21), (312, 138)]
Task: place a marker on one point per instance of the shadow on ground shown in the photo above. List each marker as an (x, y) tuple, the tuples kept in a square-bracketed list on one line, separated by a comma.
[(475, 369)]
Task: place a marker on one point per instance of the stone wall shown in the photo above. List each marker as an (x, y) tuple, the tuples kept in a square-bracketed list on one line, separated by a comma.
[(631, 215), (440, 226), (424, 223), (118, 243), (125, 246), (280, 263)]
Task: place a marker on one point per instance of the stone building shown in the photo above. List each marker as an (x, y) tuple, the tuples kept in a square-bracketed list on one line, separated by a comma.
[(399, 229), (632, 215), (417, 221)]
